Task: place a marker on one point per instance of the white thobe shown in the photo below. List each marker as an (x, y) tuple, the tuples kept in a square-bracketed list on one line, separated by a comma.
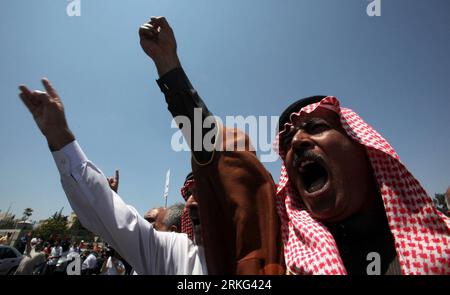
[(104, 213)]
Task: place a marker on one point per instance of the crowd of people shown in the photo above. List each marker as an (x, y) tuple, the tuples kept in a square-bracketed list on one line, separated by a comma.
[(343, 192), (55, 257)]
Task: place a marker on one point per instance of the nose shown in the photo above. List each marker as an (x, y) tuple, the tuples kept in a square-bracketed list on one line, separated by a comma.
[(191, 202), (301, 141)]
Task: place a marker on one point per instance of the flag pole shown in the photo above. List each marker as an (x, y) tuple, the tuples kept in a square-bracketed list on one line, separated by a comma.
[(166, 188)]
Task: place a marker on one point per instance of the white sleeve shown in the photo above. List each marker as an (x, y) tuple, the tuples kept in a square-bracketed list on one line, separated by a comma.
[(104, 213)]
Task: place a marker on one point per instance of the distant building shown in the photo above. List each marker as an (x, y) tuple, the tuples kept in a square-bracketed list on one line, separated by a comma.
[(6, 215), (25, 225), (71, 220)]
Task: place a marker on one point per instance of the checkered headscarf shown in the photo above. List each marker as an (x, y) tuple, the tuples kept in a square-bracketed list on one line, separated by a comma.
[(186, 223), (420, 231)]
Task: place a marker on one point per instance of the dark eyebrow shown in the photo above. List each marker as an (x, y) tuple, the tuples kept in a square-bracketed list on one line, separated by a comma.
[(303, 125), (313, 120)]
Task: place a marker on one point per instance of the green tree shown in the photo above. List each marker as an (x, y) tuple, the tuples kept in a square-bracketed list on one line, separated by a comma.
[(440, 203), (79, 232), (8, 222), (55, 226), (77, 226)]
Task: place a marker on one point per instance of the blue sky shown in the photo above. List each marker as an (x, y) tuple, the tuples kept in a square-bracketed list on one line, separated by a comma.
[(244, 57)]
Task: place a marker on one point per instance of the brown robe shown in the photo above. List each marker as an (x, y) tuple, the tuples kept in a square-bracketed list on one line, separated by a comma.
[(236, 195), (240, 226)]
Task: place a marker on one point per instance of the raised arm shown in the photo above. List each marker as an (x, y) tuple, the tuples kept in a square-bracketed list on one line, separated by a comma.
[(235, 193), (97, 206), (158, 42)]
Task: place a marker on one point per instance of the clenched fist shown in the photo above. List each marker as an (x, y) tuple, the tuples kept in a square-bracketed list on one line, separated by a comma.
[(48, 113), (158, 42)]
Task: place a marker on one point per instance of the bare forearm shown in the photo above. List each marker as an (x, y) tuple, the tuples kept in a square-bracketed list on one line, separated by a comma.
[(166, 64), (59, 138)]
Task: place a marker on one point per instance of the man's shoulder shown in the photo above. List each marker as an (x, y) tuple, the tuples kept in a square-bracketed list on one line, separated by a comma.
[(177, 239)]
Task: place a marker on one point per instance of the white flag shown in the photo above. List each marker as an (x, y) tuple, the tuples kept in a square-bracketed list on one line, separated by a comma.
[(166, 187)]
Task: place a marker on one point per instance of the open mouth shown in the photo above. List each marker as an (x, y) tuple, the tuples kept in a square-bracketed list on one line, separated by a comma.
[(313, 173)]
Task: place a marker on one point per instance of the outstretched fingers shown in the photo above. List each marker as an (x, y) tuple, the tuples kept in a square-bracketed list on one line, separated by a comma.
[(25, 90), (117, 175), (49, 88), (33, 99), (26, 97)]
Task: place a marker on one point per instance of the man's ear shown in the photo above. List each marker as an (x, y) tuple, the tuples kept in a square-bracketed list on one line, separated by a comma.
[(174, 228)]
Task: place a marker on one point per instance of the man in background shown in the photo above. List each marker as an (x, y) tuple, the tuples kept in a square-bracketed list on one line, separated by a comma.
[(32, 257), (55, 254)]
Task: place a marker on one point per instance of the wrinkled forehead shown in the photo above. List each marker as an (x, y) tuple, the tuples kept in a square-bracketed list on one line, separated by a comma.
[(296, 107), (320, 113), (153, 213), (161, 213), (301, 119)]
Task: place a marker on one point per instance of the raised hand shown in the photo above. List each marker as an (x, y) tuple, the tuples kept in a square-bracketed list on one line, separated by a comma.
[(114, 182), (48, 113), (158, 42)]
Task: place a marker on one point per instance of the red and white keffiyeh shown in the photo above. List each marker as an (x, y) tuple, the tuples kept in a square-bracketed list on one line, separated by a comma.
[(420, 231), (186, 223)]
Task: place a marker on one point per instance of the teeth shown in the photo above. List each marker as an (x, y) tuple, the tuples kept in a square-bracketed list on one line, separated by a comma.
[(303, 164)]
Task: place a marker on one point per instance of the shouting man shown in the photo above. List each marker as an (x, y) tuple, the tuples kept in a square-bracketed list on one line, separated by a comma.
[(343, 197)]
